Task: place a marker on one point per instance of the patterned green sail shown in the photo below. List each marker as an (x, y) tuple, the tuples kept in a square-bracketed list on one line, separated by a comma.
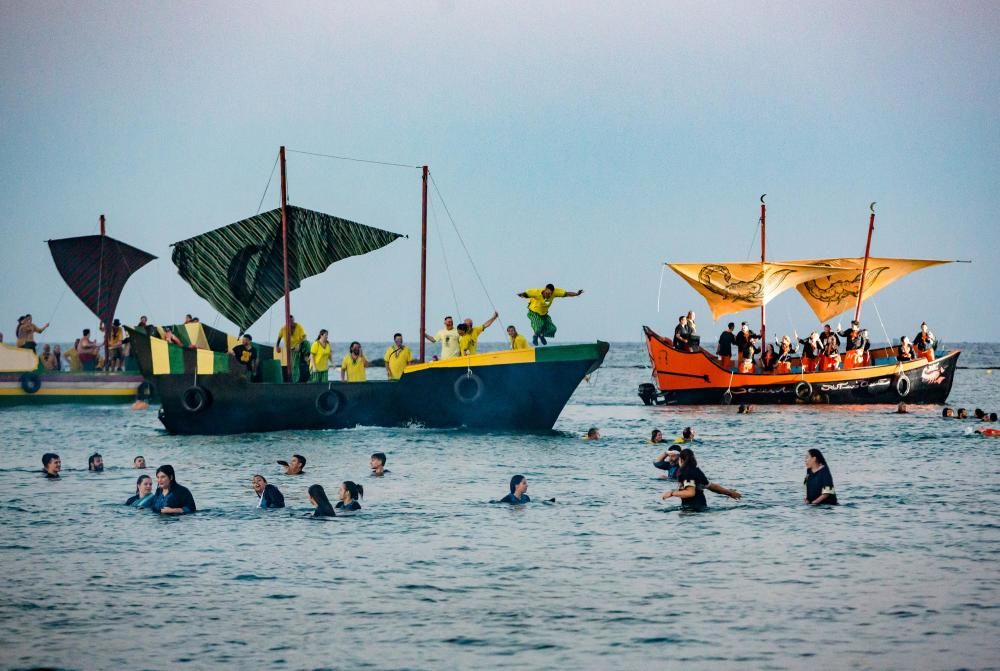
[(239, 268)]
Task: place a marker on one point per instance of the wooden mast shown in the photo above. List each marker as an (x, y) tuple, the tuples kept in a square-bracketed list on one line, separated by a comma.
[(107, 324), (763, 251), (292, 375), (864, 267), (423, 264)]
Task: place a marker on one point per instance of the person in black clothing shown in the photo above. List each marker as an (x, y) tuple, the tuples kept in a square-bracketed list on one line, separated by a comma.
[(681, 333), (828, 333), (811, 349), (171, 498), (269, 496), (518, 491), (768, 359), (905, 351), (95, 463), (51, 464), (246, 355), (924, 340), (819, 481), (693, 483), (852, 337), (349, 494), (866, 346), (317, 496), (377, 463), (744, 343), (725, 349)]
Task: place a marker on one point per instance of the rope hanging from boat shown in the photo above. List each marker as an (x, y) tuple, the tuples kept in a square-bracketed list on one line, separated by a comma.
[(663, 269)]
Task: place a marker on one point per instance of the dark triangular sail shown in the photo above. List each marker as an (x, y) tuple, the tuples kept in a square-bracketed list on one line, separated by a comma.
[(239, 270), (96, 268)]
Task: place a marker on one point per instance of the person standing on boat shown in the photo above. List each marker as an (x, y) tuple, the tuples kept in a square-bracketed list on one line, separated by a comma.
[(694, 340), (171, 337), (924, 342), (113, 340), (866, 346), (295, 346), (473, 333), (819, 481), (352, 368), (827, 334), (246, 356), (682, 340), (853, 346), (785, 354), (319, 358), (447, 337), (26, 330), (769, 359), (517, 341), (86, 351), (725, 349), (905, 351), (397, 357), (539, 302), (744, 343), (830, 359), (811, 349), (145, 327)]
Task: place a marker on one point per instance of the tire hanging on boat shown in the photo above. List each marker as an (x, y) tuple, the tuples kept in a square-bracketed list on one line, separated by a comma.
[(144, 391), (803, 390), (468, 388), (196, 399), (30, 383), (328, 403), (902, 385)]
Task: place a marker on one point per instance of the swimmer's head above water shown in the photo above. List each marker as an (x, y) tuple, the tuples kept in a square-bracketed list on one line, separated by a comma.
[(518, 485), (51, 464)]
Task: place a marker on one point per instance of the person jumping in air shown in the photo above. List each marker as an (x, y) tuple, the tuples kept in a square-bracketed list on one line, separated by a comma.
[(539, 302)]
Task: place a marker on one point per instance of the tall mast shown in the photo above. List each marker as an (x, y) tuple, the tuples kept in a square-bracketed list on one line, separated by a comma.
[(864, 267), (107, 324), (284, 253), (423, 263), (763, 251)]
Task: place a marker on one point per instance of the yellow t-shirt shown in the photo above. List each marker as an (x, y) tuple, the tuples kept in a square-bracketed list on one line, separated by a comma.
[(449, 343), (355, 369), (467, 343), (115, 339), (518, 342), (298, 335), (397, 360), (321, 357), (540, 305)]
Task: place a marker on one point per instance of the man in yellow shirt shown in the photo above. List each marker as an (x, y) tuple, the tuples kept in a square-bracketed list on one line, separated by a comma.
[(397, 357), (352, 368), (539, 302), (295, 346), (517, 341), (468, 337), (448, 337), (319, 358)]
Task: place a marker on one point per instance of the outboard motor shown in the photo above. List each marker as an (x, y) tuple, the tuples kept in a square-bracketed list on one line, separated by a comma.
[(648, 393)]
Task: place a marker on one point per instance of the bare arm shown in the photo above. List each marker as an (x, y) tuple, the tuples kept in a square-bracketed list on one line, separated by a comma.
[(571, 294), (820, 499), (343, 373), (685, 493), (489, 321), (429, 338), (719, 489), (523, 294)]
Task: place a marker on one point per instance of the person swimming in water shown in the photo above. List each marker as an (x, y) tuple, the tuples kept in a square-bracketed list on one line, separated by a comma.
[(962, 413), (668, 461), (518, 491), (819, 481), (143, 497), (377, 463), (139, 462), (656, 437), (295, 467), (948, 413), (95, 463), (318, 498), (171, 498), (269, 495), (592, 434), (51, 464), (687, 435), (693, 483), (349, 493)]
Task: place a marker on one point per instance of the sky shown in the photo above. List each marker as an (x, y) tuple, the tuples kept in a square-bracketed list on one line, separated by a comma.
[(579, 143)]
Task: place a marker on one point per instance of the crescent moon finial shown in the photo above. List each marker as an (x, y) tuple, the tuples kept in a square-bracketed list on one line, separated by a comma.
[(762, 197), (872, 207)]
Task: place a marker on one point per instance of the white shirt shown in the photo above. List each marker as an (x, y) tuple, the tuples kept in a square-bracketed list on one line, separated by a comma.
[(449, 342)]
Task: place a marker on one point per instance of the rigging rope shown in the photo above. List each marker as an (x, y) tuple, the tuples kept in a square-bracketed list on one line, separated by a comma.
[(882, 323), (444, 256), (264, 195), (660, 289), (351, 158), (754, 238)]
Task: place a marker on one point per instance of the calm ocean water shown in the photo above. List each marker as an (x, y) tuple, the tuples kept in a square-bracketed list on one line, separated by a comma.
[(429, 575)]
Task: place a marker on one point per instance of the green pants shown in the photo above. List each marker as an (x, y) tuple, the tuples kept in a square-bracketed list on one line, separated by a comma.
[(319, 376), (541, 325), (297, 362)]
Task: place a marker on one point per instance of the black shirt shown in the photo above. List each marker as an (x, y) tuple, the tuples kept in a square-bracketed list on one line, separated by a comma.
[(515, 501), (824, 336), (247, 357), (353, 505), (680, 336), (742, 339), (691, 476), (854, 339), (808, 349), (922, 342), (904, 356), (726, 342), (819, 483)]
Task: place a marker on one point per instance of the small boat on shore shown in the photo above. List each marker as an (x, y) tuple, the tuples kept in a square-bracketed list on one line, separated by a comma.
[(692, 376)]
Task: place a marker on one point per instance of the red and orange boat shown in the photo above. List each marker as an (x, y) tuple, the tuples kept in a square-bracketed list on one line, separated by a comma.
[(687, 376)]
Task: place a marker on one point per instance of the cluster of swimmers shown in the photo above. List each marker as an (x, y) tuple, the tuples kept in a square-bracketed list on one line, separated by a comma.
[(962, 413)]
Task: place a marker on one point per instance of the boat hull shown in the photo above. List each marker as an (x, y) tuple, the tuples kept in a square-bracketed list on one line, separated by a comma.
[(79, 388), (696, 378)]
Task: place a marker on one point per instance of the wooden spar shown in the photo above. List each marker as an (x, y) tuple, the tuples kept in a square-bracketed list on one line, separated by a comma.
[(423, 264), (763, 250), (292, 376), (864, 267)]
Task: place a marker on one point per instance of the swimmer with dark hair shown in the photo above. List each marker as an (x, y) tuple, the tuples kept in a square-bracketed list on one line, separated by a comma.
[(143, 497), (656, 437), (51, 464), (349, 494), (377, 463), (518, 491), (687, 435), (317, 497), (948, 413), (819, 481), (669, 461), (95, 463), (139, 462), (171, 498), (693, 483), (962, 413), (269, 495), (592, 434), (295, 467)]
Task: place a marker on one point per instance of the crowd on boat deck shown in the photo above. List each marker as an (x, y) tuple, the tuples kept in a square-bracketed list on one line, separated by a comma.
[(821, 351)]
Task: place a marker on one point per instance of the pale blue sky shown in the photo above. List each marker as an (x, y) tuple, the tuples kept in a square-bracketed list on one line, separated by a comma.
[(581, 143)]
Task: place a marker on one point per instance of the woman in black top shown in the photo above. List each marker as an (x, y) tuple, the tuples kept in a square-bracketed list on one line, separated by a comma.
[(317, 496), (819, 481), (349, 494), (768, 359), (693, 483), (905, 350)]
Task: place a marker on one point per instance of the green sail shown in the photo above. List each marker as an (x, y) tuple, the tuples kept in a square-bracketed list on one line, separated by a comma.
[(239, 268)]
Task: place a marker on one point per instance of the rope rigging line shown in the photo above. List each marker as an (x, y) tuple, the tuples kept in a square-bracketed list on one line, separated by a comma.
[(444, 255), (351, 158), (464, 247), (882, 323), (264, 195), (754, 238)]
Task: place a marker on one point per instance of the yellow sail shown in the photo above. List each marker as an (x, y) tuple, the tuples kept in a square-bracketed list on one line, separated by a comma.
[(732, 287), (837, 292)]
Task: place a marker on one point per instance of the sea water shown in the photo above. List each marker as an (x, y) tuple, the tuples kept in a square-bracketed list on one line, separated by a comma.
[(431, 575)]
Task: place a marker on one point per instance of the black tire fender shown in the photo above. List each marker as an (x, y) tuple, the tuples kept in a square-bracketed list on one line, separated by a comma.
[(328, 403), (902, 385), (144, 391), (30, 383), (468, 388), (803, 390), (195, 399)]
